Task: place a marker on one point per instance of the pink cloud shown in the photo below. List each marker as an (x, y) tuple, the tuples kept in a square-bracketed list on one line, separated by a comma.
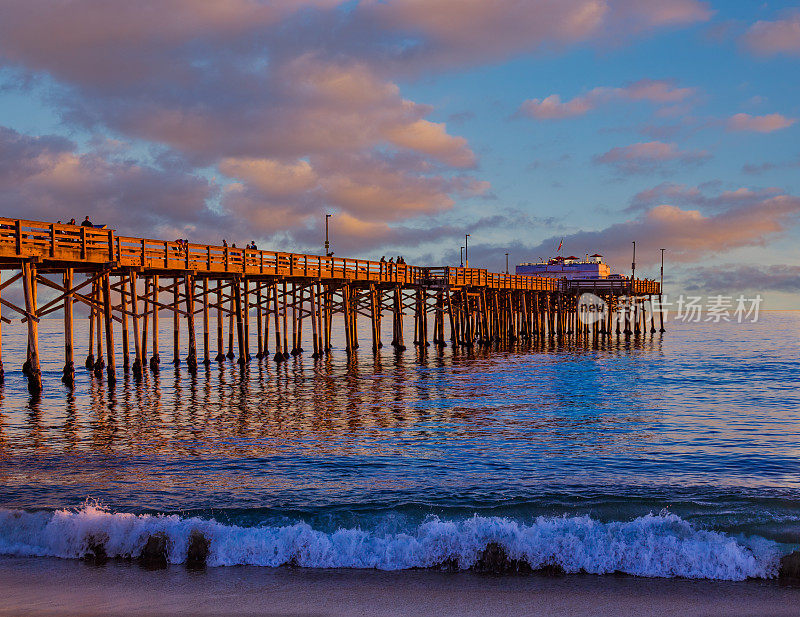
[(295, 103), (681, 194), (47, 178), (648, 156), (739, 277), (650, 90), (688, 234), (447, 32), (645, 14), (769, 38), (551, 107), (759, 124)]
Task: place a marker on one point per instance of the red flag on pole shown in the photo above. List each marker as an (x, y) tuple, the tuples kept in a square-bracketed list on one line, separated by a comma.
[(560, 244)]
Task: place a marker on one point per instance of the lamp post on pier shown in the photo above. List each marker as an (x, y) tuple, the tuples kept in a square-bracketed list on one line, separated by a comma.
[(506, 263), (660, 292), (466, 250), (462, 256), (327, 242)]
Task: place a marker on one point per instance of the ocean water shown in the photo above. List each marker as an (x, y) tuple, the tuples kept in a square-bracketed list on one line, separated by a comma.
[(667, 455)]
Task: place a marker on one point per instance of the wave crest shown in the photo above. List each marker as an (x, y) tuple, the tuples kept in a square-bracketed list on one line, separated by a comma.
[(656, 545)]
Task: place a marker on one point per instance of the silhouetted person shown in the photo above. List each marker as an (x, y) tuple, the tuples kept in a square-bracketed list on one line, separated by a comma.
[(87, 223)]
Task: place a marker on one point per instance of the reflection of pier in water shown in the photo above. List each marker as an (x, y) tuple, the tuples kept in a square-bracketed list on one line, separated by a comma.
[(359, 405), (133, 280)]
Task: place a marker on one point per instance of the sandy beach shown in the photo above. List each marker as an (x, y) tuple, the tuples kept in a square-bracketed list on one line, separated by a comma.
[(52, 587)]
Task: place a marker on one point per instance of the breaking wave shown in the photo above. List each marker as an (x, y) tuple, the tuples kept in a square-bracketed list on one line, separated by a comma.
[(656, 545)]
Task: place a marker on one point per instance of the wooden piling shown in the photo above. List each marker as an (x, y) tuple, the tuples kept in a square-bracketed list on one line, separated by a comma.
[(353, 293), (313, 299), (90, 354), (220, 325), (259, 321), (99, 363), (300, 316), (452, 316), (125, 342), (398, 307), (348, 330), (246, 317), (138, 356), (276, 310), (176, 322), (240, 334), (156, 359), (652, 315), (68, 374), (191, 358), (34, 371), (111, 370), (231, 317), (373, 303), (285, 321), (206, 326), (295, 349), (268, 289)]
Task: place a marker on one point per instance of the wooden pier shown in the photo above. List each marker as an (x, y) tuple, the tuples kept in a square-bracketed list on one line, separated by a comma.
[(133, 281)]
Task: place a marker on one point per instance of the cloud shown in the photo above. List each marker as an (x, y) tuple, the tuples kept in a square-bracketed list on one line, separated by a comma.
[(459, 32), (47, 178), (681, 194), (292, 129), (688, 234), (293, 104), (755, 169), (769, 38), (551, 108), (351, 234), (651, 90), (732, 279), (759, 124), (647, 157)]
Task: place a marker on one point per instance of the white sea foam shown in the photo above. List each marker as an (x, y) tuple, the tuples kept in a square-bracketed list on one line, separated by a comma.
[(662, 545)]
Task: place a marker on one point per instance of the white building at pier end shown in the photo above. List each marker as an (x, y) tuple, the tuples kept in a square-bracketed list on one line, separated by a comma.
[(590, 268)]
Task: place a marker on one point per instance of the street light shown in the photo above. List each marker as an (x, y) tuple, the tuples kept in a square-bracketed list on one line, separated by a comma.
[(327, 243), (633, 263), (462, 256), (506, 263), (466, 250), (660, 292)]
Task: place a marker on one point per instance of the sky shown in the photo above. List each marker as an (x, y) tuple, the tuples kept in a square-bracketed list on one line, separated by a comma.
[(671, 123)]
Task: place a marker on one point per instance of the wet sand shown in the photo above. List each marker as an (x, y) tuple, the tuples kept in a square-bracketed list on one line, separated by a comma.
[(30, 586)]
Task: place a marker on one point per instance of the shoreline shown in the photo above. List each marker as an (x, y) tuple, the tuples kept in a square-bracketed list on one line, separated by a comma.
[(54, 587)]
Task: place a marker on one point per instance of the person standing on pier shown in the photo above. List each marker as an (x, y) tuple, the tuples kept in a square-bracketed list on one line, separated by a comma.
[(87, 222)]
